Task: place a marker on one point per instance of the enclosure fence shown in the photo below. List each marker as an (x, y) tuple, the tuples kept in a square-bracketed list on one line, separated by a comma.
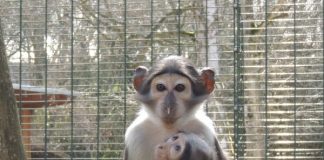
[(72, 61)]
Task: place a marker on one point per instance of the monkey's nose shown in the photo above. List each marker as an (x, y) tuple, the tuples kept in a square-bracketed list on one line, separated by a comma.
[(160, 146), (170, 100)]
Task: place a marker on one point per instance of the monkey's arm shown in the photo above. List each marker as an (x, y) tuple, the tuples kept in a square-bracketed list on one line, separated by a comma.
[(219, 151), (125, 153)]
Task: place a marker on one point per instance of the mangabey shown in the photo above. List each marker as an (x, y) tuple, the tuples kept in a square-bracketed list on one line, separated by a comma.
[(184, 146), (172, 93)]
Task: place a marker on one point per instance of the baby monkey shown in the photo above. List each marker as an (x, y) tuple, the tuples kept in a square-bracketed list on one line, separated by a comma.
[(184, 146)]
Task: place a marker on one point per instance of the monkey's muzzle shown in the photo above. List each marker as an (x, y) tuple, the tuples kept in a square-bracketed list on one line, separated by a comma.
[(170, 103)]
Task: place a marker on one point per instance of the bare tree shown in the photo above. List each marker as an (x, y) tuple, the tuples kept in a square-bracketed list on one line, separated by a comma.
[(11, 147)]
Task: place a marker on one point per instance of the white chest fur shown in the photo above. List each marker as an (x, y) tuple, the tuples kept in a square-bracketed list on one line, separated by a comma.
[(144, 134)]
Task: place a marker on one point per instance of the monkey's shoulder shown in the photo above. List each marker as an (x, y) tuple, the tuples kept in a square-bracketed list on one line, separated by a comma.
[(141, 138), (143, 129)]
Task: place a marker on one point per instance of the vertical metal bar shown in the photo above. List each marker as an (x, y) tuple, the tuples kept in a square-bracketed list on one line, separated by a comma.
[(206, 31), (125, 64), (71, 76), (295, 80), (266, 82), (206, 41), (46, 101), (152, 32), (239, 130), (20, 62), (323, 77), (235, 84), (98, 78), (241, 86), (179, 27), (20, 58)]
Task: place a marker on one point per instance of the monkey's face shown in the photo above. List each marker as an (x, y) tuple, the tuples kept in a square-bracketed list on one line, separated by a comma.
[(170, 92), (172, 88), (173, 149)]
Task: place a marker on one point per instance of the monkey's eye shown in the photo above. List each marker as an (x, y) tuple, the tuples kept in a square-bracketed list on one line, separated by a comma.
[(177, 148), (175, 138), (179, 87), (160, 87)]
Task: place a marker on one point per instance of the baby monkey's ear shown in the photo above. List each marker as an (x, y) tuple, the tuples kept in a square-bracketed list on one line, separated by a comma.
[(139, 75), (207, 75)]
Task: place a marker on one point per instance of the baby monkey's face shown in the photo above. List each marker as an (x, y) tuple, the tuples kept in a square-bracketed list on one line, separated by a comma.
[(172, 149)]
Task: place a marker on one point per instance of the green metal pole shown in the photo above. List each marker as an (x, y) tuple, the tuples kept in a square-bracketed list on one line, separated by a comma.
[(71, 76), (20, 61), (295, 81), (46, 101), (323, 77), (125, 64), (239, 130), (179, 27), (20, 58), (98, 78), (266, 147), (152, 32), (206, 41)]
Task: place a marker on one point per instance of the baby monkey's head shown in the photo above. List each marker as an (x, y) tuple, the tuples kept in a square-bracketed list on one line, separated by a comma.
[(183, 146)]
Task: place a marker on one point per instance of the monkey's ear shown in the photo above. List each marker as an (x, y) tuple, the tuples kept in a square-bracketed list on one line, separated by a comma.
[(139, 74), (207, 75)]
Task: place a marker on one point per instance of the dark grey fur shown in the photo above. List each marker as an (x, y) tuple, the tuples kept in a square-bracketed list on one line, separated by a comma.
[(175, 65)]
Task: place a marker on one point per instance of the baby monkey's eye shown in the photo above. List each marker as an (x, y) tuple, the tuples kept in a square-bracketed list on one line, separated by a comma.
[(177, 148), (174, 138), (179, 87), (160, 87)]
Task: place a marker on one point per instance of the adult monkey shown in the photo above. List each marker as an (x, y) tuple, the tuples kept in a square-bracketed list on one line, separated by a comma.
[(172, 93)]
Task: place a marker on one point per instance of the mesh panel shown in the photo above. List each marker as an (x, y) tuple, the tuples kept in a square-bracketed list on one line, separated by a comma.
[(268, 58)]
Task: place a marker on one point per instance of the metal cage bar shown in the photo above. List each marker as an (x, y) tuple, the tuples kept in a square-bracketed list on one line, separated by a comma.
[(239, 131), (266, 146), (98, 79), (71, 80)]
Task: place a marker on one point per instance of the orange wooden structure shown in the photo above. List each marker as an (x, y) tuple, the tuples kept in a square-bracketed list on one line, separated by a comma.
[(32, 97)]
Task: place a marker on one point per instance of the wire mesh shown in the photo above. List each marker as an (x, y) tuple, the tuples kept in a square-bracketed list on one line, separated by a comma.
[(71, 63)]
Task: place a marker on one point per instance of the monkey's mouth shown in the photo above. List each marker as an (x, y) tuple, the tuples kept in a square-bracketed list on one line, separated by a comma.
[(169, 120), (169, 110), (169, 114)]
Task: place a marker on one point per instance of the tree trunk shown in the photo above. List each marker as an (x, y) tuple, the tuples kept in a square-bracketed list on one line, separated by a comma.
[(212, 57), (11, 147)]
